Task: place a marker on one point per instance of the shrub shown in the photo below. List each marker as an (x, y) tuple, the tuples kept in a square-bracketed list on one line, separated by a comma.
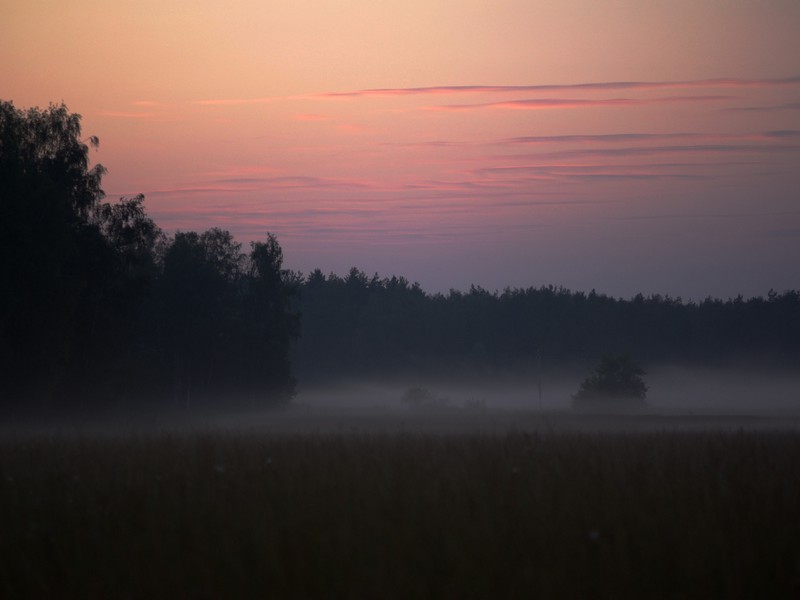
[(616, 381), (418, 397), (475, 405)]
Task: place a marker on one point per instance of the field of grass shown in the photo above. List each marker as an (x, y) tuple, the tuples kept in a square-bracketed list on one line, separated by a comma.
[(401, 515)]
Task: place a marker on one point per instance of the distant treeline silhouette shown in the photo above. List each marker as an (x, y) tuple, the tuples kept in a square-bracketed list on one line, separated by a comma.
[(358, 325), (99, 306)]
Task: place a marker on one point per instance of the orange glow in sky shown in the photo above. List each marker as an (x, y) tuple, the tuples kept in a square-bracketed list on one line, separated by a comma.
[(622, 145)]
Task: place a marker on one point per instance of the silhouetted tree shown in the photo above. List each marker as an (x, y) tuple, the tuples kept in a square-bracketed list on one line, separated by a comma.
[(223, 321), (127, 244), (197, 291), (52, 257), (96, 304), (617, 378), (271, 324)]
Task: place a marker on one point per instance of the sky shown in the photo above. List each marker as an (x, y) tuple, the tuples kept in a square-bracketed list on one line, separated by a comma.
[(624, 146)]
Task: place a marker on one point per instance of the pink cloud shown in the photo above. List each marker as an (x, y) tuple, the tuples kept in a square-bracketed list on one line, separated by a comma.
[(148, 111), (613, 138), (199, 189), (238, 171), (599, 139), (613, 85), (128, 115), (233, 101), (244, 184), (304, 181), (771, 108), (607, 168), (656, 150), (551, 103)]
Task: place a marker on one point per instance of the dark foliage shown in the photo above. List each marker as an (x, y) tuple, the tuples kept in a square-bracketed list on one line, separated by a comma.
[(617, 379), (98, 306), (422, 398), (220, 322), (53, 260), (360, 326)]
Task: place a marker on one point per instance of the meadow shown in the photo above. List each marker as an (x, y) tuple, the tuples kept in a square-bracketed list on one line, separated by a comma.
[(510, 513)]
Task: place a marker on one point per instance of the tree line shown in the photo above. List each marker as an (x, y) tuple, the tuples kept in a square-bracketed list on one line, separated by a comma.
[(356, 326)]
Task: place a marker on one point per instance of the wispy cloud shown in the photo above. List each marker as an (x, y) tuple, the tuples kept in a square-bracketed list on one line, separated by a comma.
[(145, 110), (380, 219), (595, 86), (611, 138), (129, 114), (609, 168), (551, 103), (511, 176), (615, 138), (522, 175), (433, 144), (298, 182), (468, 185), (656, 150), (234, 101), (782, 133), (194, 189), (604, 138), (771, 108), (236, 185)]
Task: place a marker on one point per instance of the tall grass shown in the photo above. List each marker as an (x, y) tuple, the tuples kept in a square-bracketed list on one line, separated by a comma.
[(568, 515)]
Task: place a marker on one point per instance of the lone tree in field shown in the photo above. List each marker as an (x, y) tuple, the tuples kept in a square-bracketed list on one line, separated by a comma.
[(616, 381)]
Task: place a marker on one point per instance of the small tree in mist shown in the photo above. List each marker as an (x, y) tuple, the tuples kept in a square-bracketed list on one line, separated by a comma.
[(418, 397), (616, 379)]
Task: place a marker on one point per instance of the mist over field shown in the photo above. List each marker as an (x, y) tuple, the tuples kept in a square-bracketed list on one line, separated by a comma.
[(678, 399), (671, 389)]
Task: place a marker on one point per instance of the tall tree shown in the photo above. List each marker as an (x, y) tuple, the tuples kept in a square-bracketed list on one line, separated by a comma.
[(196, 291), (224, 319), (271, 324), (48, 193), (123, 264)]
